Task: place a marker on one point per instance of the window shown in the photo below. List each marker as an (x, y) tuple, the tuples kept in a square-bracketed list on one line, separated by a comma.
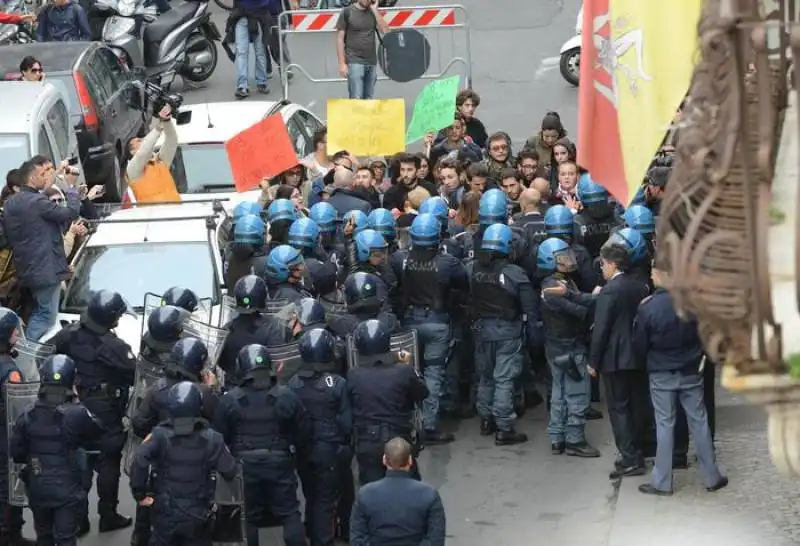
[(311, 124), (58, 118), (298, 137), (14, 150), (43, 144), (207, 168), (114, 68), (100, 85)]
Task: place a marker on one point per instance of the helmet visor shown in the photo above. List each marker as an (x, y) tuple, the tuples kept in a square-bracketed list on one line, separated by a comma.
[(566, 260)]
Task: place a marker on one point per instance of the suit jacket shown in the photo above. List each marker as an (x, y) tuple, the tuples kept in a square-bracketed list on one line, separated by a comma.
[(612, 338)]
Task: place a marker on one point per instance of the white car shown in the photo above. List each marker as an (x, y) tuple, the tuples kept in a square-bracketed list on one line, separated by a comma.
[(148, 249)]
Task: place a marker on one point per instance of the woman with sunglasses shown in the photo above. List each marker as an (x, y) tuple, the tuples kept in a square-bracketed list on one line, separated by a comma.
[(31, 70)]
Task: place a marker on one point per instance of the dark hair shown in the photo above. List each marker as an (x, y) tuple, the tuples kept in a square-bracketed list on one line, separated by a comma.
[(572, 152), (616, 254), (458, 117), (365, 168), (450, 163), (467, 213), (499, 135), (569, 162), (28, 62), (552, 122), (38, 160), (407, 158), (528, 153), (341, 154), (658, 176), (14, 178), (477, 169), (29, 167), (465, 95), (284, 191), (319, 137), (509, 172)]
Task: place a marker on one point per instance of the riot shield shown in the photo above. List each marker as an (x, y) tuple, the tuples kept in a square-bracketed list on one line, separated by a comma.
[(403, 238), (289, 356), (213, 337), (227, 311), (276, 306), (334, 305), (203, 311), (30, 355), (229, 515), (147, 373), (19, 396)]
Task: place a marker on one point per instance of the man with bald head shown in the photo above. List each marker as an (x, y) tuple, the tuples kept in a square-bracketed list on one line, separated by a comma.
[(345, 197), (542, 185), (531, 218), (397, 509)]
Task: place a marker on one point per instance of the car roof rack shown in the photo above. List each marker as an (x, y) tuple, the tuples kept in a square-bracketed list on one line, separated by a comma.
[(105, 209), (205, 217)]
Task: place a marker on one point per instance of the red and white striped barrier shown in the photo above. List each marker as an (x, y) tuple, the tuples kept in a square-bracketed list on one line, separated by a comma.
[(325, 20)]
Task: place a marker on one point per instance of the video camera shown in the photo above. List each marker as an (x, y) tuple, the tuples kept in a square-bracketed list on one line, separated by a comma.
[(159, 98)]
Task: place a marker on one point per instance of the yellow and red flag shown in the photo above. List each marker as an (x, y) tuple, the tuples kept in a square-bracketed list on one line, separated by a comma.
[(637, 59)]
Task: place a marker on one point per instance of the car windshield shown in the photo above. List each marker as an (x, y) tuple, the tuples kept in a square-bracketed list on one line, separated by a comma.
[(207, 167), (129, 270), (14, 150)]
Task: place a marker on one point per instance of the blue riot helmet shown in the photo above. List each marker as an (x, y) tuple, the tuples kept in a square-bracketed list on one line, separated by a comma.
[(360, 287), (309, 312), (253, 359), (555, 252), (317, 346), (360, 220), (165, 324), (281, 209), (250, 293), (641, 219), (590, 192), (249, 230), (181, 297), (559, 221), (282, 260), (497, 238), (493, 208), (303, 234), (372, 337), (632, 240), (105, 309), (370, 244), (382, 221), (247, 207), (425, 231), (188, 358), (436, 205), (58, 371), (325, 216), (184, 401), (9, 322)]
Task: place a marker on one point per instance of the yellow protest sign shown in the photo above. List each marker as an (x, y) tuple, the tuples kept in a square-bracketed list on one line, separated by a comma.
[(367, 127)]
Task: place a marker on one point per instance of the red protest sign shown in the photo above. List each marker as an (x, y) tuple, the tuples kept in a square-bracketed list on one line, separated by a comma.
[(260, 151)]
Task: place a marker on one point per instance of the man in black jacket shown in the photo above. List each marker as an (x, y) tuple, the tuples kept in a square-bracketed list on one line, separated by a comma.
[(395, 197), (345, 196), (611, 353)]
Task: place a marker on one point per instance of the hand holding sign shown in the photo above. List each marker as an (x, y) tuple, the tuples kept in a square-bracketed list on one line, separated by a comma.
[(367, 127), (434, 108), (263, 150)]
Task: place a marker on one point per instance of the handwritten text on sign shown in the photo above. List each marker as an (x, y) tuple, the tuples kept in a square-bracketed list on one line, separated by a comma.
[(367, 127)]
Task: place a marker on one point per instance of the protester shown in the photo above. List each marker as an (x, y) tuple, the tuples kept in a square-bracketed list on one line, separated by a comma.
[(250, 21), (345, 197), (63, 21), (395, 197), (356, 50), (413, 200), (318, 163), (467, 213), (148, 171), (291, 193), (551, 131), (467, 101)]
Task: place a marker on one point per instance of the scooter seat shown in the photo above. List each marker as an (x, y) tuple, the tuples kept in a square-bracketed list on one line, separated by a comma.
[(167, 22)]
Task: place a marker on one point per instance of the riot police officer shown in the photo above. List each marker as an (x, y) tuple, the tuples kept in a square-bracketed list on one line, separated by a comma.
[(181, 297), (356, 218), (280, 214), (565, 311), (368, 253), (105, 367), (164, 328), (382, 221), (641, 219), (242, 209), (327, 461), (361, 294), (598, 218), (638, 255), (284, 274), (49, 438), (186, 451), (492, 209), (246, 253), (383, 389), (326, 217), (500, 294), (320, 273), (427, 279), (308, 314), (559, 222), (264, 424)]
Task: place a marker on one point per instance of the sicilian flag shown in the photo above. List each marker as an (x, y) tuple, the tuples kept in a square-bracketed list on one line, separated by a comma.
[(637, 59)]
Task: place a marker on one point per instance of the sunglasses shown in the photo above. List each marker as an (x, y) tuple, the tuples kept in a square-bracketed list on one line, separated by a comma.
[(37, 70), (499, 148)]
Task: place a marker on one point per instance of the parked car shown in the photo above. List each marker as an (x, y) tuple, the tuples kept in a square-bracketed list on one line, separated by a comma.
[(106, 105)]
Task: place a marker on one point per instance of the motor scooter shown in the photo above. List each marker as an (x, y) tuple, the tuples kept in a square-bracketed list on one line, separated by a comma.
[(570, 54), (20, 33)]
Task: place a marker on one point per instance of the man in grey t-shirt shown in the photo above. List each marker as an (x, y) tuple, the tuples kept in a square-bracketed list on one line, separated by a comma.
[(356, 50)]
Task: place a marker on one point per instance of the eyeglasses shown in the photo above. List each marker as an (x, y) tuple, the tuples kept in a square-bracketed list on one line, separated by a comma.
[(58, 200)]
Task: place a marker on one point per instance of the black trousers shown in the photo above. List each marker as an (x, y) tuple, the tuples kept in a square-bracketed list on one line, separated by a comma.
[(709, 397), (57, 525), (629, 408), (11, 521)]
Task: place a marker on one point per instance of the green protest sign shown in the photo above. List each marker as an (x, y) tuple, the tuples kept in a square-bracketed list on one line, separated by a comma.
[(433, 109)]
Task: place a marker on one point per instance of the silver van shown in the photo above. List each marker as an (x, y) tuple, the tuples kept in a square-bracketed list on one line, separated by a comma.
[(35, 122)]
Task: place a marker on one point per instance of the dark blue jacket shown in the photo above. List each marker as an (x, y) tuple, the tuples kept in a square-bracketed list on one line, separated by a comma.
[(33, 227), (397, 511), (346, 200), (662, 339), (67, 23)]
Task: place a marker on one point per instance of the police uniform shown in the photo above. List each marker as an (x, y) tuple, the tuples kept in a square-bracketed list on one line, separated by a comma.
[(282, 261), (363, 296), (10, 516), (246, 253)]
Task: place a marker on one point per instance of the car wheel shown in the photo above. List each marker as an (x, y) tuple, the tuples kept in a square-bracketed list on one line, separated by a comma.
[(114, 187), (570, 66)]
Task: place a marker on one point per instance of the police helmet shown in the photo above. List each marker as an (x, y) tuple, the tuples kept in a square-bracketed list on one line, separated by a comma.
[(372, 337), (359, 287), (558, 220), (632, 240), (9, 321), (367, 242), (360, 220), (325, 216), (303, 233), (184, 401), (181, 297), (249, 230), (309, 311), (317, 346), (493, 208), (250, 293), (382, 221), (547, 253), (435, 205), (641, 219), (590, 192), (165, 324), (281, 209), (105, 308), (247, 207), (425, 230), (280, 262), (58, 370), (252, 358), (497, 238), (189, 354)]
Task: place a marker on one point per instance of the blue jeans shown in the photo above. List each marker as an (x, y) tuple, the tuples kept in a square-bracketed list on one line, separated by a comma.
[(242, 37), (499, 364), (361, 80), (570, 398), (433, 333), (45, 310)]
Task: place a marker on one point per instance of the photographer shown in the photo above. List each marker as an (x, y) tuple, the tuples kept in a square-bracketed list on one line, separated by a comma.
[(148, 171)]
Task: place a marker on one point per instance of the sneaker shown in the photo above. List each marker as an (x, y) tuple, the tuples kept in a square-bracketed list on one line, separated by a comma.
[(582, 449), (263, 89), (241, 93)]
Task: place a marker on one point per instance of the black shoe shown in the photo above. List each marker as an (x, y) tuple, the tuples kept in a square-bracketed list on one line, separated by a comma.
[(241, 93), (648, 489), (509, 438), (582, 449), (437, 437), (593, 414), (557, 448), (263, 89), (113, 522), (487, 427), (723, 482), (83, 528), (21, 541), (627, 471), (680, 464)]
